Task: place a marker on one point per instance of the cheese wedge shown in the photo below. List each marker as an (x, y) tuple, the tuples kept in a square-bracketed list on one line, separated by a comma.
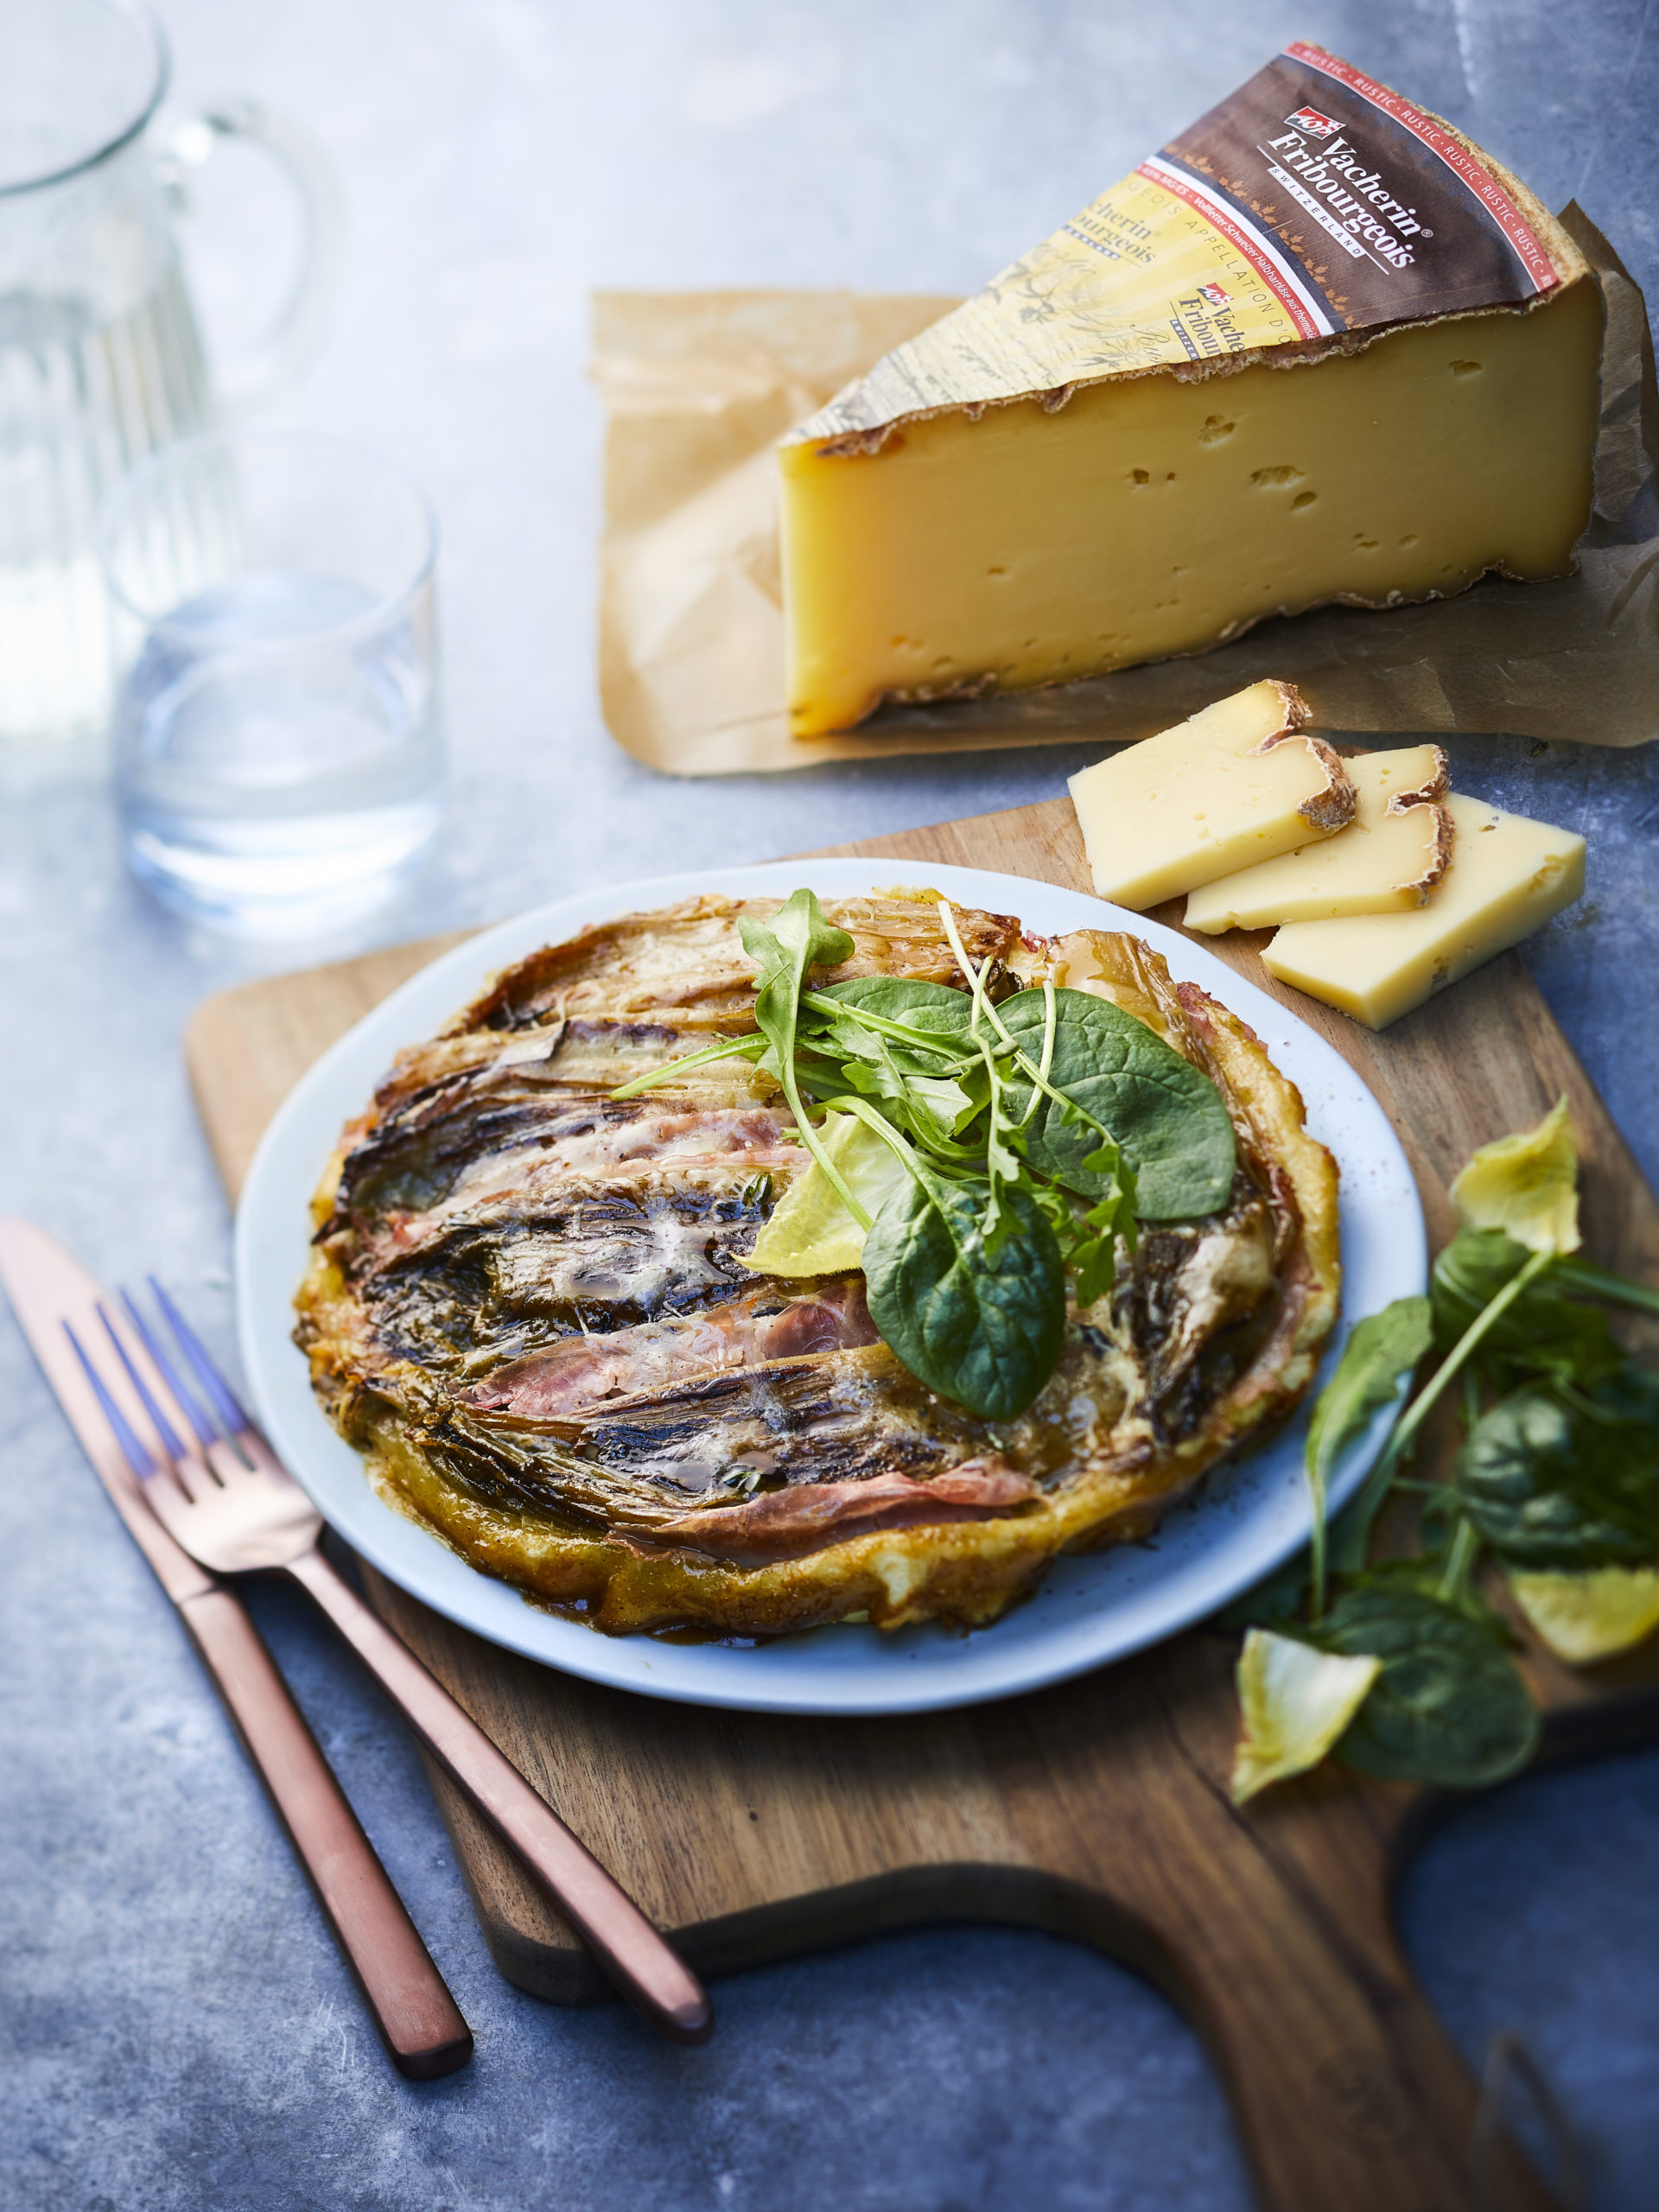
[(1387, 861), (1238, 783), (1205, 401), (1508, 876)]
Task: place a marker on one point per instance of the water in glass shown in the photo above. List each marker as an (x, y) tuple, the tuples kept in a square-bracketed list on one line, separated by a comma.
[(278, 754), (278, 791)]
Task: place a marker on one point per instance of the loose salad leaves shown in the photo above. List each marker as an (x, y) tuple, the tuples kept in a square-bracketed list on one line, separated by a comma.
[(1558, 1477), (1556, 1483), (1448, 1708), (1029, 1133)]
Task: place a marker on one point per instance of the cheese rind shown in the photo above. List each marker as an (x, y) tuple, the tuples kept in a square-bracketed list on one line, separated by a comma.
[(1387, 861), (1508, 876), (1238, 783)]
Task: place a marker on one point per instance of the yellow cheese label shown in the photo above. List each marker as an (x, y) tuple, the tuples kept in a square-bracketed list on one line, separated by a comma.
[(1313, 202)]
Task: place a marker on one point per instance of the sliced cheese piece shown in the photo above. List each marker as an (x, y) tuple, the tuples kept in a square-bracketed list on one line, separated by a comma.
[(1237, 784), (1508, 876), (1189, 409), (1387, 861)]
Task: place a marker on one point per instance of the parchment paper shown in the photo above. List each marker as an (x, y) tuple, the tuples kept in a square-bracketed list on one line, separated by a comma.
[(700, 386)]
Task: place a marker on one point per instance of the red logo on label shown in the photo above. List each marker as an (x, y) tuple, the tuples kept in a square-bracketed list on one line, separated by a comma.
[(1315, 125), (1215, 296)]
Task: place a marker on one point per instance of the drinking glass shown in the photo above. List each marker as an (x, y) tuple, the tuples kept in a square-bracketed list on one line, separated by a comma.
[(278, 753), (100, 359)]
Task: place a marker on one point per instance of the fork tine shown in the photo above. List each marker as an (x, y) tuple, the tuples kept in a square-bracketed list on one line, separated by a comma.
[(214, 1386), (137, 1459), (169, 1374), (170, 1443)]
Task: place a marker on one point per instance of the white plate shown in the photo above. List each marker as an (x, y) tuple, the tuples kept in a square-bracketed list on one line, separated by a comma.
[(1087, 1610)]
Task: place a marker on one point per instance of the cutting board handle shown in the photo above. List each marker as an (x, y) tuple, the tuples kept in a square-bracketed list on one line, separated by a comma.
[(1347, 2091)]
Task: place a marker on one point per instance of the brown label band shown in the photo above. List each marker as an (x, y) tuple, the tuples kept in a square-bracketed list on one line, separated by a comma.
[(1354, 206)]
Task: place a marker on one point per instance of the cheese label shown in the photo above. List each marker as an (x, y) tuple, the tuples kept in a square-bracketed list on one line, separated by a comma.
[(1354, 207), (1313, 202)]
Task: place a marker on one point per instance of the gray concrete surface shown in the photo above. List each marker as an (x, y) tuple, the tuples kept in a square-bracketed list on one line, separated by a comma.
[(177, 2033)]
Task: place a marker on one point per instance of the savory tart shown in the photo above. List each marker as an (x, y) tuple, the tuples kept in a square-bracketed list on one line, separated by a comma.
[(889, 1275)]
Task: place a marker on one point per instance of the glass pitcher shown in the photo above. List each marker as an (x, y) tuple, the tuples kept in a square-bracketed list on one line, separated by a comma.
[(101, 361)]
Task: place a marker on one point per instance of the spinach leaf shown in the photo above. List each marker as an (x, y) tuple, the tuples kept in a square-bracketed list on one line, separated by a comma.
[(1168, 1117), (1448, 1708), (1542, 1333), (800, 940), (1554, 1481), (1376, 1361), (982, 1328), (934, 1009)]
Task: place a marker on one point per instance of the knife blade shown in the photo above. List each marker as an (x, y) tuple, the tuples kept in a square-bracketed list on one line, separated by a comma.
[(417, 2017)]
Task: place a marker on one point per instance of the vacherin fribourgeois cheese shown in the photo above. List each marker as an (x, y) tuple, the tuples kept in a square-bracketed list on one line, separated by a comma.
[(1319, 347), (1387, 861), (1507, 877), (1242, 781)]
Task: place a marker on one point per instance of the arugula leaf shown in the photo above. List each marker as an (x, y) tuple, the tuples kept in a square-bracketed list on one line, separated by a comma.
[(1543, 1333), (1089, 1239), (1168, 1117), (906, 1043), (1447, 1709), (800, 940), (982, 1328), (1597, 1282), (1554, 1481), (749, 1048), (926, 1094), (1377, 1362)]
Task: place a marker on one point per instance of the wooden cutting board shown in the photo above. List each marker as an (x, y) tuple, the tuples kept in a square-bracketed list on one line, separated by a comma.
[(1098, 1809)]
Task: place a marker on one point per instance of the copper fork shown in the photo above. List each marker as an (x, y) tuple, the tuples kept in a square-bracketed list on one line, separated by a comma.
[(223, 1494)]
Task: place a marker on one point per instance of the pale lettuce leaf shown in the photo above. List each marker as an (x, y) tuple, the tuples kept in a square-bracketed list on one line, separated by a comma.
[(810, 1231), (1527, 1185), (1592, 1614), (1294, 1702)]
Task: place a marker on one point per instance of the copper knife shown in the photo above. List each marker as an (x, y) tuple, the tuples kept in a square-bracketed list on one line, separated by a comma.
[(419, 2020)]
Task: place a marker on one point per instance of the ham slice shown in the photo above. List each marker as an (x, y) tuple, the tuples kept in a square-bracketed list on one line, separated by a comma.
[(568, 1377), (808, 1516)]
